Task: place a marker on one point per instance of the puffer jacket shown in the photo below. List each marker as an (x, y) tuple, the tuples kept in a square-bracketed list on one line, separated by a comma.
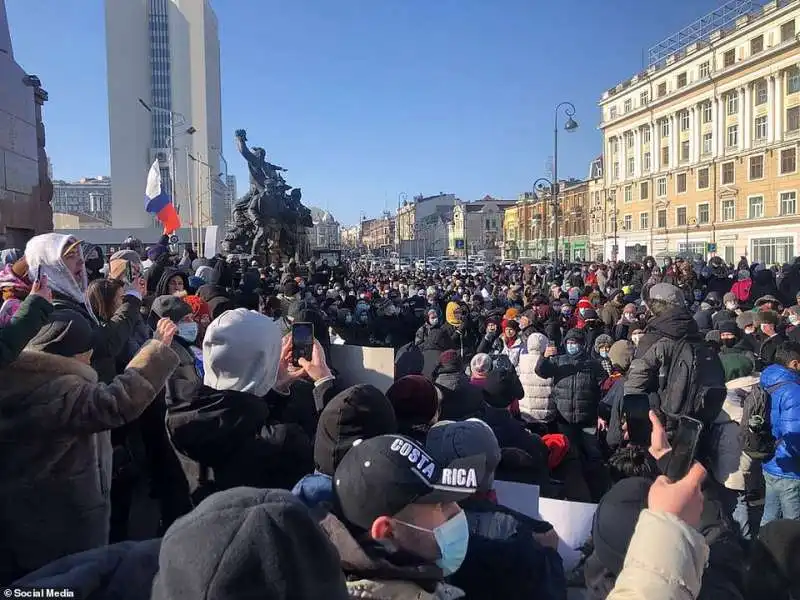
[(56, 469), (576, 386), (537, 405), (785, 417), (730, 466)]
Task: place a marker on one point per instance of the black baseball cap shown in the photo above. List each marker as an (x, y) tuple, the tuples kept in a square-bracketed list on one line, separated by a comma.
[(382, 475)]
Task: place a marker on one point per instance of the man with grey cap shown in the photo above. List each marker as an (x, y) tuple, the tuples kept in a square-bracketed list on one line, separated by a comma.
[(501, 540), (673, 362)]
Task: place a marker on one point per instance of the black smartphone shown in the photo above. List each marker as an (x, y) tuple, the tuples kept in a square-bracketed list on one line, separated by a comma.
[(129, 272), (302, 342), (636, 410), (39, 273), (684, 448)]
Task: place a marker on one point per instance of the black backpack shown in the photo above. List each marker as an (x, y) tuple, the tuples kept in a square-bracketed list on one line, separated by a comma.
[(694, 386), (755, 429)]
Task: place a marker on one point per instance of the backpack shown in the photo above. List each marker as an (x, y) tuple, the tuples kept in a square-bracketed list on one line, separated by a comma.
[(694, 386), (755, 429)]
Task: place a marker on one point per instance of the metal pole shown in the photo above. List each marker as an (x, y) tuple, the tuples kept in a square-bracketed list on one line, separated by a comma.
[(189, 198), (615, 253), (555, 185), (466, 242)]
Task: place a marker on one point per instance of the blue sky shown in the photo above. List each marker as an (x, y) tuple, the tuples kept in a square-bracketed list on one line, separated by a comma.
[(365, 99)]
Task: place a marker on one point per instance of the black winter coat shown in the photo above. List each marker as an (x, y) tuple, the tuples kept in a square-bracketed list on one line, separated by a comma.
[(229, 439), (576, 386)]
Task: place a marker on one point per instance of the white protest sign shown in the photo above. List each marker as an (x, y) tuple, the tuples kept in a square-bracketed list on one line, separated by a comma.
[(573, 524)]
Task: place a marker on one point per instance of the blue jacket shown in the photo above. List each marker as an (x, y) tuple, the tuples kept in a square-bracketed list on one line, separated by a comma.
[(785, 417)]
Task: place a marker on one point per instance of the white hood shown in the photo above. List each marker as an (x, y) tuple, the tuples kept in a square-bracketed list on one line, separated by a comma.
[(241, 352), (45, 250)]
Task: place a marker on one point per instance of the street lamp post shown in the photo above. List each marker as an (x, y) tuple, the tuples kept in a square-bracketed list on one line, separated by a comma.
[(544, 185), (570, 126), (615, 249), (689, 223)]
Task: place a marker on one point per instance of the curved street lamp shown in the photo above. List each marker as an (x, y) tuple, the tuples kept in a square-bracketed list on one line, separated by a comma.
[(569, 126), (543, 186)]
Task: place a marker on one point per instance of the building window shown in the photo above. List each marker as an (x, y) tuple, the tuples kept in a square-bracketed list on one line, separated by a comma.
[(662, 218), (627, 105), (644, 221), (661, 187), (627, 223), (757, 44), (644, 98), (729, 210), (629, 139), (662, 89), (614, 145), (788, 160), (685, 120), (680, 216), (685, 151), (768, 251), (707, 112), (757, 167), (792, 118), (760, 128), (682, 80), (628, 194), (729, 58), (705, 69), (733, 136), (703, 214), (732, 102), (788, 204), (664, 128), (615, 170), (702, 179), (792, 80), (761, 93), (755, 207), (708, 140), (665, 156), (631, 165), (612, 112), (787, 31), (644, 190), (680, 183), (645, 135), (728, 173), (646, 162)]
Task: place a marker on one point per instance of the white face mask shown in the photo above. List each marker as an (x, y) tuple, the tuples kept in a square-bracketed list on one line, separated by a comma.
[(731, 305)]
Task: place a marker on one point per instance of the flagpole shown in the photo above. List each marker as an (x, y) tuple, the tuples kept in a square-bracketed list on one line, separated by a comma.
[(189, 198)]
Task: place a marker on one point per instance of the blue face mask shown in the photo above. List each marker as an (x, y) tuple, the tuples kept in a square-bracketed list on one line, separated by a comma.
[(452, 537), (573, 349), (603, 353), (188, 331)]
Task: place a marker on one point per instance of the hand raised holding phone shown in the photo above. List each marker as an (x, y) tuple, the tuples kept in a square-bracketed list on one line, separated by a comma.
[(41, 288)]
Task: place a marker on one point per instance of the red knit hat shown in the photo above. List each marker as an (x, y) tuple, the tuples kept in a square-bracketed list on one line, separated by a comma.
[(414, 399), (199, 308)]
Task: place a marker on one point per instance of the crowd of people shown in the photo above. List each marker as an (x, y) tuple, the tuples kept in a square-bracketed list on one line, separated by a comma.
[(160, 441)]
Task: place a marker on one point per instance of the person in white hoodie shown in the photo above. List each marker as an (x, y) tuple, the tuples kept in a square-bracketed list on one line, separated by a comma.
[(537, 406), (730, 466)]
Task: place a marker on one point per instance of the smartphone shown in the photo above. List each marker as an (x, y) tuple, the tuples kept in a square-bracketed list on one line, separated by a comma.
[(39, 273), (684, 448), (129, 272), (302, 342), (636, 410)]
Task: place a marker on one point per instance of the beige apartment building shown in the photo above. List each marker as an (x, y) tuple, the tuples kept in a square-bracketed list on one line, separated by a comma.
[(701, 149)]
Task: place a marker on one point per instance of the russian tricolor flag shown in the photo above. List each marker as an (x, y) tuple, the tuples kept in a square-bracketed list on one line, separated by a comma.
[(158, 202)]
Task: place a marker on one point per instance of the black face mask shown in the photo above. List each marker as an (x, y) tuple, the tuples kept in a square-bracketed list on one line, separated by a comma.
[(728, 343)]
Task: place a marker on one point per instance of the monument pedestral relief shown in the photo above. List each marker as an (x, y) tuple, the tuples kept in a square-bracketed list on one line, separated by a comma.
[(25, 187)]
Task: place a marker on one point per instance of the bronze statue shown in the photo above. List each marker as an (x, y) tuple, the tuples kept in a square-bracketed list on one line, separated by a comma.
[(269, 211)]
